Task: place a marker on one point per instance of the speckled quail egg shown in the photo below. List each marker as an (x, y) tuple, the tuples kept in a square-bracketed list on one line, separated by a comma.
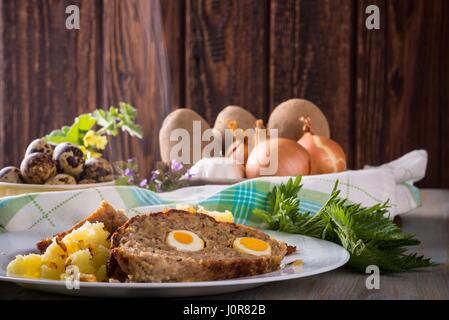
[(11, 175), (69, 159), (39, 145), (37, 168), (98, 169), (184, 240), (61, 178), (252, 246)]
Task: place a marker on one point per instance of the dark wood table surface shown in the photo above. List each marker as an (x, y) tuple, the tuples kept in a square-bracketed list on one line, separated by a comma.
[(431, 225)]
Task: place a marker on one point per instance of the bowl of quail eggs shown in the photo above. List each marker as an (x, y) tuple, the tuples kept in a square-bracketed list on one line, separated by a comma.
[(47, 167)]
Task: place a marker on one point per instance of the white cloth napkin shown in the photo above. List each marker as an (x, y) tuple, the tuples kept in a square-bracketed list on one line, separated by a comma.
[(392, 182)]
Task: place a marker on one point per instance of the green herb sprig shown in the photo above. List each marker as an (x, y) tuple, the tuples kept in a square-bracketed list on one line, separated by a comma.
[(366, 232), (114, 119), (89, 130)]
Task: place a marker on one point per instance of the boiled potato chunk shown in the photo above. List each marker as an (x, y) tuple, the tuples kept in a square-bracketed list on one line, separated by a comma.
[(83, 260), (87, 248), (28, 266)]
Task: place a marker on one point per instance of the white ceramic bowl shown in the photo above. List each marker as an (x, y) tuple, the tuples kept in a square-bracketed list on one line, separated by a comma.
[(13, 189)]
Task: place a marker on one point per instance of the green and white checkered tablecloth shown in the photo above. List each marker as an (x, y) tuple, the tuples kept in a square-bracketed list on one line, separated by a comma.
[(55, 211)]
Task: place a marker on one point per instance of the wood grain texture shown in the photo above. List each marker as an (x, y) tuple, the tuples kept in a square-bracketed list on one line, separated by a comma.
[(310, 57), (225, 56), (440, 85), (401, 85), (48, 74), (135, 70), (385, 91), (370, 89), (174, 23)]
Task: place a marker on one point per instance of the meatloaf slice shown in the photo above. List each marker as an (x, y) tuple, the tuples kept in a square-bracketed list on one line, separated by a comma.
[(140, 252), (110, 217)]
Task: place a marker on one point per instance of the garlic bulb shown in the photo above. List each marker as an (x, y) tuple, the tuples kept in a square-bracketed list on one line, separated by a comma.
[(217, 168), (327, 156)]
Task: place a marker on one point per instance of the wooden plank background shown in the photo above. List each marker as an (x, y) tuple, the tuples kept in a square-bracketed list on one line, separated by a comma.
[(385, 92)]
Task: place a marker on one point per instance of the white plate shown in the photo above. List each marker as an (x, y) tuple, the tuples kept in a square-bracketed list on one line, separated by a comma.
[(318, 256)]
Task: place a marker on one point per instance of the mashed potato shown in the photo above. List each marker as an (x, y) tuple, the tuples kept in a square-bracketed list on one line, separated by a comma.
[(87, 248)]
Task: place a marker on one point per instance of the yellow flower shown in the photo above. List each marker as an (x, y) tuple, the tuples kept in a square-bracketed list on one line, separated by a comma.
[(90, 153), (89, 138), (101, 142), (83, 149), (94, 140), (93, 154)]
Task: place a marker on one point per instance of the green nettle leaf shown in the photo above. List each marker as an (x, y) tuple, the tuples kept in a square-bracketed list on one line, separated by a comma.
[(366, 232)]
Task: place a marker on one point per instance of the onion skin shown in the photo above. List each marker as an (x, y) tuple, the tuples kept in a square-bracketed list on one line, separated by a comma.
[(327, 156), (238, 151), (292, 161)]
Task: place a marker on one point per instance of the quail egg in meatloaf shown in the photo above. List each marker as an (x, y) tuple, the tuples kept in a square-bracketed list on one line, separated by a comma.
[(69, 159), (39, 145), (11, 174), (97, 169), (252, 246), (184, 240), (37, 168), (61, 178)]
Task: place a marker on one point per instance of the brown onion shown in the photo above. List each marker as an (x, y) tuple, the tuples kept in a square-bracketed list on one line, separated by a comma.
[(293, 159), (327, 156), (238, 150)]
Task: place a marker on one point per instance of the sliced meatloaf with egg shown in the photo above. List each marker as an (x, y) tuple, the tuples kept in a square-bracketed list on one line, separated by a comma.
[(143, 249)]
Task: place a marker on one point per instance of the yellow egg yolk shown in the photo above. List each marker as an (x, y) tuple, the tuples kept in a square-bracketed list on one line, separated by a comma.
[(183, 237), (254, 244)]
